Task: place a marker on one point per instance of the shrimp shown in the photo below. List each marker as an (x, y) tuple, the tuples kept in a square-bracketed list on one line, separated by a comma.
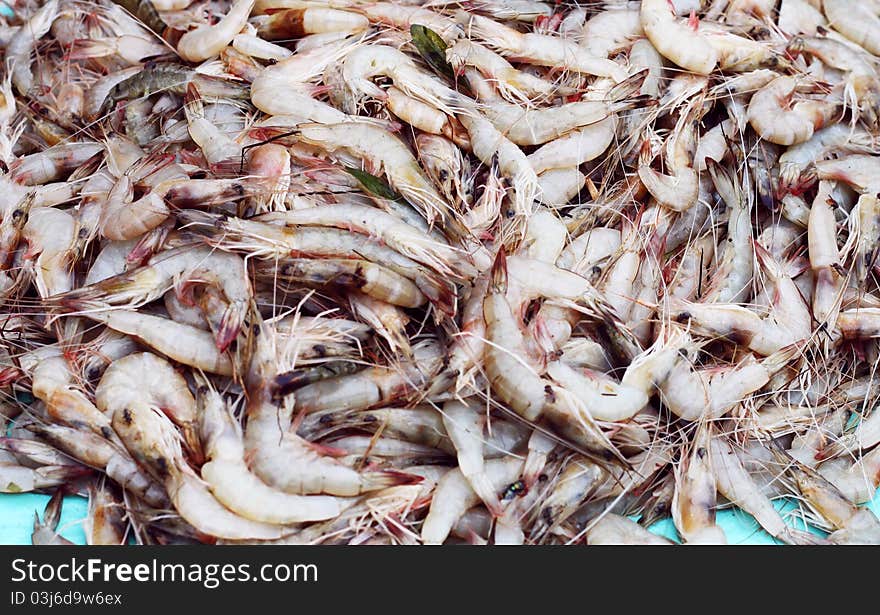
[(106, 522), (538, 126), (447, 166), (862, 91), (796, 173), (693, 505), (284, 88), (775, 116), (736, 485), (123, 386), (679, 190), (236, 487), (853, 525), (491, 147), (384, 151), (856, 22), (860, 171), (182, 343), (51, 235), (453, 496), (23, 42), (524, 391), (734, 269), (15, 478), (53, 163), (541, 49), (464, 425), (99, 453), (397, 234), (372, 386), (825, 259), (217, 147), (610, 32), (152, 439), (295, 22), (857, 481), (369, 61), (207, 41), (865, 226), (575, 483), (608, 400), (369, 278), (268, 241), (513, 85), (613, 529), (282, 459), (181, 268), (678, 42), (130, 50)]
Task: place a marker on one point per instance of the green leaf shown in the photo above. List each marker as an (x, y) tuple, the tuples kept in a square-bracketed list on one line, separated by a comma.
[(374, 185), (432, 48)]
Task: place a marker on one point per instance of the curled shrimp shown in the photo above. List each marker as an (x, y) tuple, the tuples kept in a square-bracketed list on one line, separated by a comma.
[(236, 487), (776, 118), (677, 41), (23, 42), (181, 268), (207, 41), (166, 390)]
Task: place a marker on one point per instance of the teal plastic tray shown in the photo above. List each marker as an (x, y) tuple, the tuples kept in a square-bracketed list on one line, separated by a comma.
[(17, 521)]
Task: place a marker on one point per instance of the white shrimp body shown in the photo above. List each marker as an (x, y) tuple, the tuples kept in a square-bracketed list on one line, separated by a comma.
[(675, 40), (148, 380), (541, 49), (453, 496), (51, 235), (233, 484), (464, 425), (207, 41), (383, 150), (775, 119)]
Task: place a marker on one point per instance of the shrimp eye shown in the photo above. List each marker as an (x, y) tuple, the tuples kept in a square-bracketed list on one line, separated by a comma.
[(326, 419), (444, 175), (683, 317), (701, 452), (515, 489), (18, 214), (83, 233), (203, 390)]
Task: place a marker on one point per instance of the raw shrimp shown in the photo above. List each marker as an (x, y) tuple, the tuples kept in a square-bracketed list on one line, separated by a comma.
[(775, 116), (453, 496), (386, 152), (736, 485), (233, 484), (23, 42), (856, 22), (464, 425), (207, 41), (123, 386), (153, 441), (693, 505), (542, 50), (281, 458), (373, 386), (677, 41)]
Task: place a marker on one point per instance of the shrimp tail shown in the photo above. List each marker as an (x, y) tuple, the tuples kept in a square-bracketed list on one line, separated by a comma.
[(388, 478), (499, 272)]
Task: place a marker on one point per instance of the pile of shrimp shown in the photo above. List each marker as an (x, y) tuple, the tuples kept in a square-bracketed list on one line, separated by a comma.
[(474, 271)]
